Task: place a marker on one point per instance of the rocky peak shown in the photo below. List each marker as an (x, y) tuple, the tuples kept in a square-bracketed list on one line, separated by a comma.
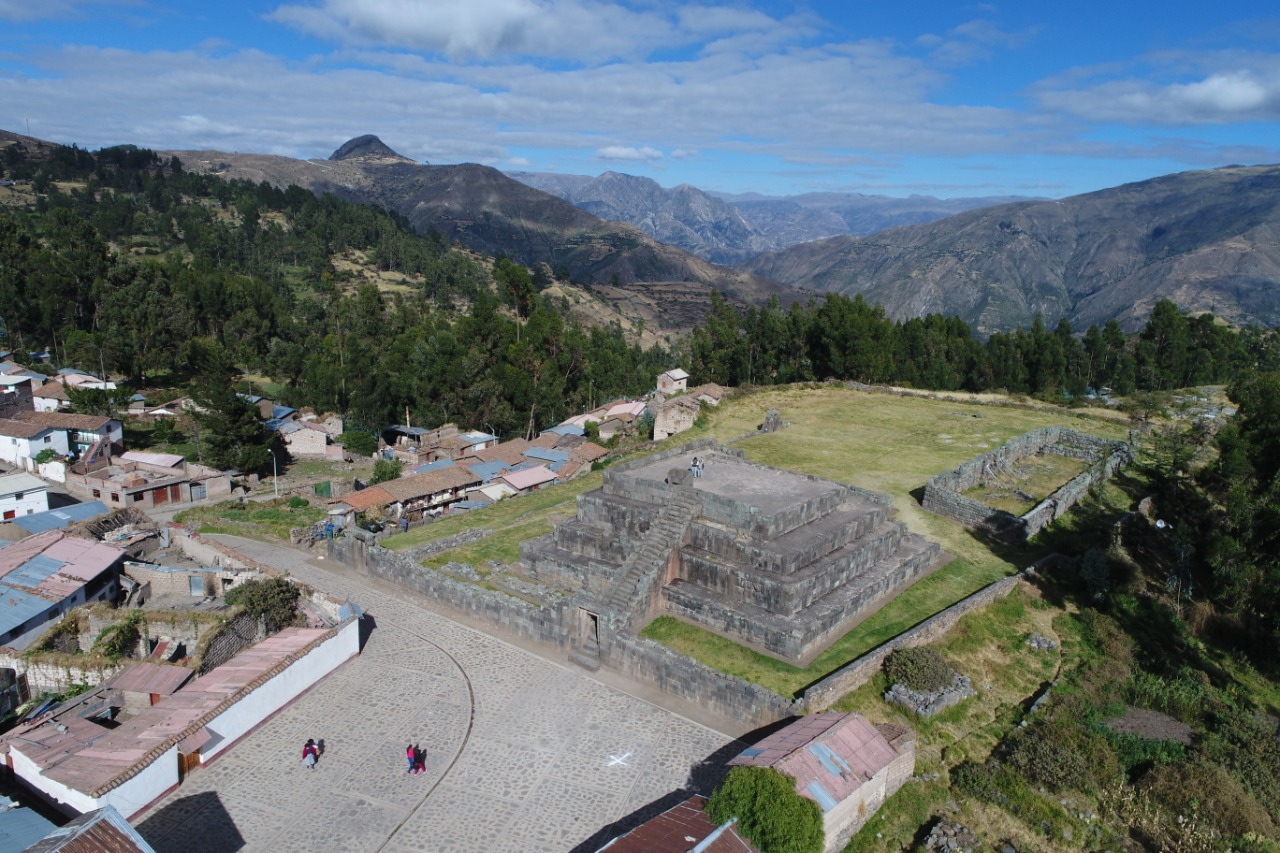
[(367, 147)]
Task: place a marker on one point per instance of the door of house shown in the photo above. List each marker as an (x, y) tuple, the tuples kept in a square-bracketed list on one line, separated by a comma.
[(175, 493), (197, 585), (160, 496), (186, 763), (197, 491)]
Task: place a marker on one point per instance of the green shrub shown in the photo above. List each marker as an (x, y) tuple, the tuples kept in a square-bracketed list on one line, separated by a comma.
[(275, 600), (770, 813), (359, 442), (297, 502), (1210, 792), (1062, 754), (45, 456), (920, 668), (385, 470)]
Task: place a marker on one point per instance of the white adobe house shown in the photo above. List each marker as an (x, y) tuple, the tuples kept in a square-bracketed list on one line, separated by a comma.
[(673, 382), (21, 442), (22, 494)]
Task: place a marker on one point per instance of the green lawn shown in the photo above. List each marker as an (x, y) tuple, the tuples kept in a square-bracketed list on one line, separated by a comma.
[(888, 444), (267, 519), (506, 518)]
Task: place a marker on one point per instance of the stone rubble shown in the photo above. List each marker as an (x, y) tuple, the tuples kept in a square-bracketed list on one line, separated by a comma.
[(1041, 642), (952, 838), (927, 703)]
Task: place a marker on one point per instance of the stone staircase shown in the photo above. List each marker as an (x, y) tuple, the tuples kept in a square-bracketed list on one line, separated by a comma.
[(644, 566)]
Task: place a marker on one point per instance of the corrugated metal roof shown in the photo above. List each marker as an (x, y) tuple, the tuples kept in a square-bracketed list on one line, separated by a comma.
[(677, 374), (150, 678), (33, 572), (486, 471), (433, 466), (13, 483), (567, 429), (101, 831), (529, 477), (57, 519), (164, 460), (835, 752), (17, 606), (20, 828), (547, 454), (680, 829)]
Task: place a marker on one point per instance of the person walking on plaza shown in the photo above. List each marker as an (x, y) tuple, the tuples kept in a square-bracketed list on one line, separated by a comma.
[(412, 755), (309, 754)]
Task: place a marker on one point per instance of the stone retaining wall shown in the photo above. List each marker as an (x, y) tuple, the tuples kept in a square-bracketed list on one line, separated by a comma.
[(943, 492), (828, 691), (555, 625)]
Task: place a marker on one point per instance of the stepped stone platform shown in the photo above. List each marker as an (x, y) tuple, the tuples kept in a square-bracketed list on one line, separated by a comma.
[(782, 562)]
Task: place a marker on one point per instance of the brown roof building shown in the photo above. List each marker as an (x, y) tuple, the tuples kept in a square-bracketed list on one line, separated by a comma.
[(680, 829)]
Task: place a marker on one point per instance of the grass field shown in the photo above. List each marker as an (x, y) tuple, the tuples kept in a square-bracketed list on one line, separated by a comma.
[(888, 444), (266, 519), (882, 442)]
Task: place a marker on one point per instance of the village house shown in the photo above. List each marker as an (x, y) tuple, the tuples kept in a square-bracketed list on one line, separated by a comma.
[(44, 576), (130, 754), (51, 397), (21, 495), (61, 518), (21, 442), (86, 434), (672, 382), (846, 765), (14, 399), (528, 480), (675, 416), (102, 831), (417, 495), (304, 438), (149, 480)]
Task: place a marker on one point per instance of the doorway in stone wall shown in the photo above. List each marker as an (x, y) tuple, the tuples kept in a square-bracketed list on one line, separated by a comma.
[(588, 631)]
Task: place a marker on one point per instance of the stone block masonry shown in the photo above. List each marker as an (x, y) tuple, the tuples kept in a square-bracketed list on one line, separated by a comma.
[(943, 494)]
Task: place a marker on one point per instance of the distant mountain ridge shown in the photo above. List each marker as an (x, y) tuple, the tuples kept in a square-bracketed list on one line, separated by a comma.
[(1207, 240), (490, 212), (731, 229)]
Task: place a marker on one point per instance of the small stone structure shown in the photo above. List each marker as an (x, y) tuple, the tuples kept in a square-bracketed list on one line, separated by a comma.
[(926, 703), (782, 562), (943, 494)]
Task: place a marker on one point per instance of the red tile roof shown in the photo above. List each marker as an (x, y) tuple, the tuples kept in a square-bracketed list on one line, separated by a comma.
[(63, 420)]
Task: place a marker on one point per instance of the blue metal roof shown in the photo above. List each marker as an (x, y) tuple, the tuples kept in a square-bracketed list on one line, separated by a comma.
[(18, 606), (486, 471), (566, 429), (467, 505), (475, 436), (433, 466), (547, 455), (252, 398), (73, 371), (281, 411), (33, 571), (21, 828), (56, 519), (821, 795)]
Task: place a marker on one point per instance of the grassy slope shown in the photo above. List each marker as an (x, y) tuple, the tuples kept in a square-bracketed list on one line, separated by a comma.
[(889, 444)]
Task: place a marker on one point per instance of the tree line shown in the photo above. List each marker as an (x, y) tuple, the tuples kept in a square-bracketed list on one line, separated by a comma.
[(840, 337)]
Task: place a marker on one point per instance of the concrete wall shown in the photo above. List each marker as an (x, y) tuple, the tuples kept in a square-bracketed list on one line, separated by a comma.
[(828, 691), (282, 688)]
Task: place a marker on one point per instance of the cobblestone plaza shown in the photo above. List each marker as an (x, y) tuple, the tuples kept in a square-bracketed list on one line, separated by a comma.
[(523, 754)]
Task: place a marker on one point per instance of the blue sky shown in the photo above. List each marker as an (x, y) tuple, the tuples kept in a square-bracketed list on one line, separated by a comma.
[(948, 99)]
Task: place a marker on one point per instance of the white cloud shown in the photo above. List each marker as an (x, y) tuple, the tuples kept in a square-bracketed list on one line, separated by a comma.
[(1222, 89), (519, 162), (35, 10), (627, 152), (587, 30)]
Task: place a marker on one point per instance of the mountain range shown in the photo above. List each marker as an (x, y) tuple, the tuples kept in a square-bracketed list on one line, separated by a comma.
[(731, 229), (487, 211), (1207, 240)]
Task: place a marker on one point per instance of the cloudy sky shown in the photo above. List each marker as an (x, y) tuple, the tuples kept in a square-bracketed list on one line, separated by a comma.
[(951, 99)]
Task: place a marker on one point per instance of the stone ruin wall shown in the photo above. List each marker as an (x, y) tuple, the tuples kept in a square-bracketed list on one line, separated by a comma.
[(943, 492), (555, 626)]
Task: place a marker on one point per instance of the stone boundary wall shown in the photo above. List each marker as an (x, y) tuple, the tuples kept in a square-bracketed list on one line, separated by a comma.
[(825, 693), (675, 674), (49, 677), (554, 626), (529, 621), (943, 492)]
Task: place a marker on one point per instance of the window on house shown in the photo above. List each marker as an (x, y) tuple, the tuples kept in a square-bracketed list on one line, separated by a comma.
[(48, 439), (17, 496), (115, 497), (97, 493)]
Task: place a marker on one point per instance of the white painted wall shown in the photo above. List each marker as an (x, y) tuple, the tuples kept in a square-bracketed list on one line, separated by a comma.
[(20, 451), (240, 718), (31, 502), (146, 787), (29, 772)]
